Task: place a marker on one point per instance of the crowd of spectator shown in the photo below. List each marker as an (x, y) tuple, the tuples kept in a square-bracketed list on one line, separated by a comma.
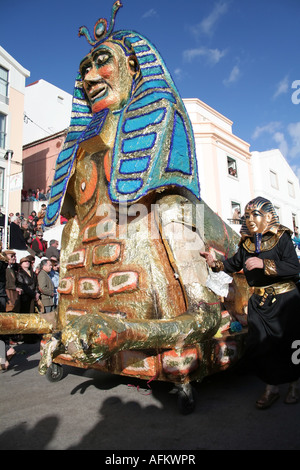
[(26, 233), (34, 220), (35, 194), (27, 286)]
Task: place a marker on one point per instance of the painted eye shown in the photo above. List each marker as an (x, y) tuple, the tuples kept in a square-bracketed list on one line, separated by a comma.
[(85, 70), (102, 58)]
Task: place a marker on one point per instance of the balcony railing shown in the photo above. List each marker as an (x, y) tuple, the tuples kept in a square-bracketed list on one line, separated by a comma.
[(235, 221)]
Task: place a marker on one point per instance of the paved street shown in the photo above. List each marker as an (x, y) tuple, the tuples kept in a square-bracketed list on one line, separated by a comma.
[(92, 410)]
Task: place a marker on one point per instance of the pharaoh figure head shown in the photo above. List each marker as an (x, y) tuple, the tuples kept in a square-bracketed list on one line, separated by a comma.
[(124, 77), (107, 72), (107, 77), (259, 217)]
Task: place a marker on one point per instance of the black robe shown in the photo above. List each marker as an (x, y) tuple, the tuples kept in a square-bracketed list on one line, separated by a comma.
[(274, 326)]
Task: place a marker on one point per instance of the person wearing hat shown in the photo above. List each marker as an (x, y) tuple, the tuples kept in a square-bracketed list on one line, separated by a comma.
[(33, 268), (27, 281), (13, 292), (31, 258)]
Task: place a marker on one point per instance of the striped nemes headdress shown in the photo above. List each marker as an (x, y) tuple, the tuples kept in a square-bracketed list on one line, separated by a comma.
[(154, 145), (264, 205)]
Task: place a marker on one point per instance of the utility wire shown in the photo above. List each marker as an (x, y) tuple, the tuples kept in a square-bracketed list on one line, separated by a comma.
[(27, 118)]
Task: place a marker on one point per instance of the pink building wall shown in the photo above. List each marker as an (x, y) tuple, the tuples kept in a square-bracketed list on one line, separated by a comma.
[(39, 161)]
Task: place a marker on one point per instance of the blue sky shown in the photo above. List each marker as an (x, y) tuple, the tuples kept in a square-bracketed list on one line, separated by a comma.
[(241, 57)]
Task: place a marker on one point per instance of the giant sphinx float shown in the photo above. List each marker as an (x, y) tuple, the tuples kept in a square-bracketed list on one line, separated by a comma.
[(133, 294)]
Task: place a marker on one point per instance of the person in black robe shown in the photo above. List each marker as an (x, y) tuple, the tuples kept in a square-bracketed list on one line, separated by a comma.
[(268, 258)]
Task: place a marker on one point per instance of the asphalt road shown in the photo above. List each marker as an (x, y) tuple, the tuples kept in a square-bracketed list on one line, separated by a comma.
[(90, 410)]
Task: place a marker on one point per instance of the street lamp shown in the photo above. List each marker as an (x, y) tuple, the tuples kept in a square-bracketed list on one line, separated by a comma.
[(8, 156)]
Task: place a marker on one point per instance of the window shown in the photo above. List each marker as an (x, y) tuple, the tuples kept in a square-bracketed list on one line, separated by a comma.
[(273, 179), (236, 213), (277, 210), (2, 130), (2, 179), (231, 165), (4, 85), (291, 189)]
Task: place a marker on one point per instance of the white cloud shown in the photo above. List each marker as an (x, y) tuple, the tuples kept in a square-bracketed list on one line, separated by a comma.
[(282, 143), (150, 13), (273, 129), (282, 87), (215, 55), (233, 76), (212, 55), (287, 139), (207, 25), (178, 74), (270, 128)]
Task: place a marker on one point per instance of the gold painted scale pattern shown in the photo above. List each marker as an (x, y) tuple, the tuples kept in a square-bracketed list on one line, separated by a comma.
[(117, 266)]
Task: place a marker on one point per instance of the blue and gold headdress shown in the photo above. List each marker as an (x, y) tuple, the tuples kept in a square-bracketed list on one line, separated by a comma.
[(260, 203), (154, 145)]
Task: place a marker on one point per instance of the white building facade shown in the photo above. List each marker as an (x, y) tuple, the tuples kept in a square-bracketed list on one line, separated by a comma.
[(224, 162), (230, 175), (275, 180), (47, 111)]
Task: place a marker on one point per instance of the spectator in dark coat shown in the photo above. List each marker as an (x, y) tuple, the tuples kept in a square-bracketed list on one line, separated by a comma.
[(52, 250), (27, 281), (25, 230), (46, 286), (16, 238), (2, 219)]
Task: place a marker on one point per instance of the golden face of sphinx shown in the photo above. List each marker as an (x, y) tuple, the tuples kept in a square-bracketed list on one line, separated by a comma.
[(107, 76)]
